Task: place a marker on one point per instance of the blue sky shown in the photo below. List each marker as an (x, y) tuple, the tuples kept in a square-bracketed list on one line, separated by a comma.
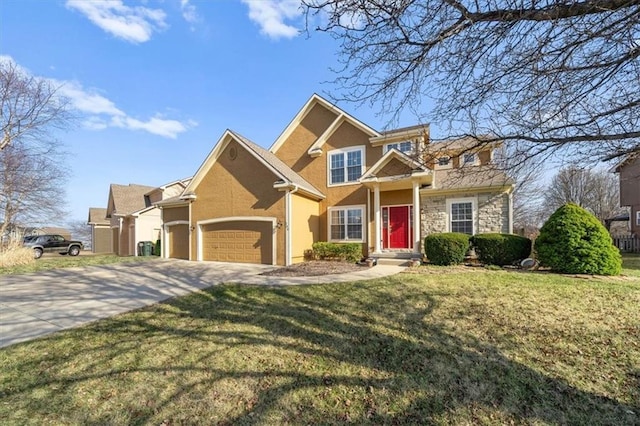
[(156, 82)]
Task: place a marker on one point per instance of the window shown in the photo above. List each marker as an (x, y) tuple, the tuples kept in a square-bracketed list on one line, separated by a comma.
[(443, 161), (406, 147), (345, 166), (469, 159), (461, 215), (345, 223), (638, 218)]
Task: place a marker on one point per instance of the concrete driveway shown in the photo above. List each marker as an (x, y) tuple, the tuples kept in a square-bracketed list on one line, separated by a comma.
[(37, 304)]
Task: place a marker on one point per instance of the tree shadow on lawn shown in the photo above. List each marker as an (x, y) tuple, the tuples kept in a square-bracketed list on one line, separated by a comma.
[(399, 364)]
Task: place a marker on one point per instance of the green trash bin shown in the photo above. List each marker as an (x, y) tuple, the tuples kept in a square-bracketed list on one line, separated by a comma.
[(147, 248)]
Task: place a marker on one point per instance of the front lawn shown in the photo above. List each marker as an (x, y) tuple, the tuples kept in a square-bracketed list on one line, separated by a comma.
[(443, 347), (56, 261)]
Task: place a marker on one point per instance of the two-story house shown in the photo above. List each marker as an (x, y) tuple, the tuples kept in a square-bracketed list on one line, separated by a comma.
[(130, 216), (629, 171), (330, 177)]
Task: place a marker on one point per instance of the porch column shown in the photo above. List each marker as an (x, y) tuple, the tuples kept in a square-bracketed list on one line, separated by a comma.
[(416, 216), (376, 213)]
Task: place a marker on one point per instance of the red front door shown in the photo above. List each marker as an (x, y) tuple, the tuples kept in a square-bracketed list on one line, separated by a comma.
[(396, 230)]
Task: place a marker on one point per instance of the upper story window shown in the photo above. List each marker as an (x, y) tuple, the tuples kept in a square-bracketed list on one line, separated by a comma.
[(443, 162), (345, 165), (470, 159), (638, 218), (406, 147)]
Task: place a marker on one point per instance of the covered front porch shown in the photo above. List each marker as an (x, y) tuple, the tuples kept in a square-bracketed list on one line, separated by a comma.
[(395, 183)]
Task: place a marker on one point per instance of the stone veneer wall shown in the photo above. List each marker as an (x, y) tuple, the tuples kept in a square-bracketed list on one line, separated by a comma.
[(493, 212)]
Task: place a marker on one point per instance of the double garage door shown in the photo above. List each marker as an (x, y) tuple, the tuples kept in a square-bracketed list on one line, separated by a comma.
[(238, 241)]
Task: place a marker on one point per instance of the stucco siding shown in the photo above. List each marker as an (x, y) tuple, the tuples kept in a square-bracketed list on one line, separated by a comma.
[(394, 198), (178, 241), (101, 239), (394, 167), (148, 226), (236, 187), (172, 214), (305, 226)]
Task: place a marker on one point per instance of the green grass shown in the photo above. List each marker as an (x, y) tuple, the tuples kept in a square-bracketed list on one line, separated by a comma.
[(631, 264), (443, 347), (58, 261)]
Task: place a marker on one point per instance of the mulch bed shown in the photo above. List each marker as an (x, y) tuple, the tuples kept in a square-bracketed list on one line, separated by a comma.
[(315, 268)]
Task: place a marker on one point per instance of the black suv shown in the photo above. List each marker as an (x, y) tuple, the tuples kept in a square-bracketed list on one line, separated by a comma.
[(52, 243)]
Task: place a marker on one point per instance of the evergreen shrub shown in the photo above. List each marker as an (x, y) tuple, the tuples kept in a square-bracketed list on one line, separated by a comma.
[(351, 252), (448, 248), (573, 241), (501, 249)]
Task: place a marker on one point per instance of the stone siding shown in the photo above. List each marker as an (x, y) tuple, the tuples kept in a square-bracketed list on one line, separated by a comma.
[(493, 212)]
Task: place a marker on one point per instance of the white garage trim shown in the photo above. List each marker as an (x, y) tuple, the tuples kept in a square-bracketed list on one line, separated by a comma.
[(165, 236), (202, 223)]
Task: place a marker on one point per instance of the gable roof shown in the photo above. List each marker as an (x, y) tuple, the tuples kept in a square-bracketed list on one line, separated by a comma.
[(273, 163), (388, 157), (126, 199), (627, 159), (97, 216), (341, 117)]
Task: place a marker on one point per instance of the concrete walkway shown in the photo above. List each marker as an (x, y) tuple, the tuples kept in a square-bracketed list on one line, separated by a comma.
[(34, 305)]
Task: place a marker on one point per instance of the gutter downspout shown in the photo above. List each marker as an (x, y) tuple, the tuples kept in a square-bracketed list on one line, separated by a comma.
[(288, 215)]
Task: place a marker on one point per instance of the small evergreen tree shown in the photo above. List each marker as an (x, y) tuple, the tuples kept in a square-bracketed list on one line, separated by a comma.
[(573, 241)]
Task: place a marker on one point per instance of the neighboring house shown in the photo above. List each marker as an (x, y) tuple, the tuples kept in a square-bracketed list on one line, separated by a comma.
[(330, 177), (629, 171), (100, 230), (132, 215)]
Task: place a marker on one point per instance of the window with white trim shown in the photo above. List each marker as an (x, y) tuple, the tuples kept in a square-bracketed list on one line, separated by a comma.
[(345, 166), (462, 215), (405, 146), (638, 218), (346, 223), (469, 159)]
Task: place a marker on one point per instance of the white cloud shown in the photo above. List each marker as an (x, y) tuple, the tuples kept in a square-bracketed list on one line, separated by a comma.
[(271, 16), (89, 102), (155, 125), (99, 112), (102, 113), (133, 24), (189, 12)]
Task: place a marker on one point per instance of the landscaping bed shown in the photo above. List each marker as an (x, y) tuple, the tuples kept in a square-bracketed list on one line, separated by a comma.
[(315, 268)]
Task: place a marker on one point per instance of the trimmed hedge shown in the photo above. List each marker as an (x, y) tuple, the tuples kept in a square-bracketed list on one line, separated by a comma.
[(573, 241), (351, 252), (446, 248), (501, 249)]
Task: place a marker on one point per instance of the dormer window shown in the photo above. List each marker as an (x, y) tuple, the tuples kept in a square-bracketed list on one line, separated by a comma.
[(470, 159), (406, 147)]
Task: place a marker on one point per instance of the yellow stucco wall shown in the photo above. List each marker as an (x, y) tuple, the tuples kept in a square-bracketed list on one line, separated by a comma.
[(238, 186), (305, 226)]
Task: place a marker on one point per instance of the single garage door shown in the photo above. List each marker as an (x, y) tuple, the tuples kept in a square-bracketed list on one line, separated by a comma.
[(238, 241), (179, 241)]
